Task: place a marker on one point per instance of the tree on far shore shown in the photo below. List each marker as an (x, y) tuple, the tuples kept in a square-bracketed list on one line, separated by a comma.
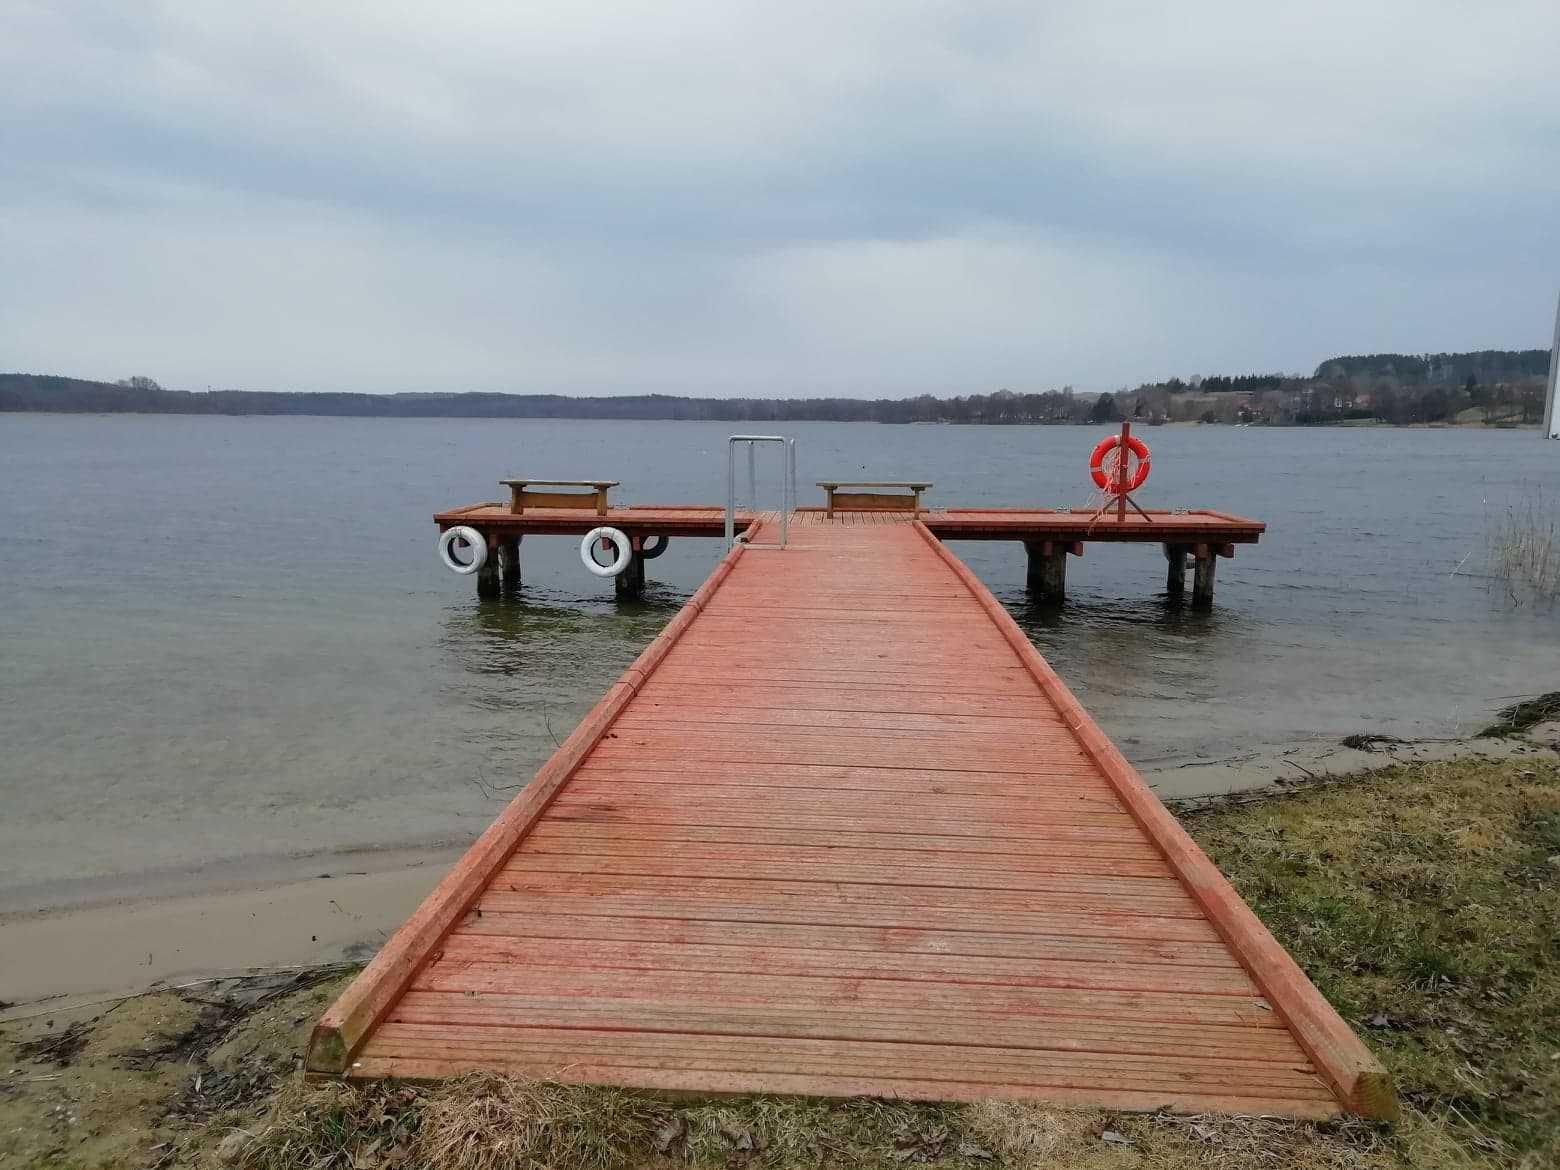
[(1104, 409)]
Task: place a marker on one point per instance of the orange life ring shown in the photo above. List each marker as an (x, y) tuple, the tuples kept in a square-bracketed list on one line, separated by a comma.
[(1104, 447)]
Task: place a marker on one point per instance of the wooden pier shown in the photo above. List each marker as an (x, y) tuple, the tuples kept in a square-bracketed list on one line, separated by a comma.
[(841, 830), (1049, 537)]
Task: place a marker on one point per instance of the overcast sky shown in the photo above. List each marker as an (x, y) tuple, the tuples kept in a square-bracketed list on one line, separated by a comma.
[(878, 198)]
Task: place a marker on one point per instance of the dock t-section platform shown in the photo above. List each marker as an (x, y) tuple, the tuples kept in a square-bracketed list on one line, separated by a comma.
[(841, 830)]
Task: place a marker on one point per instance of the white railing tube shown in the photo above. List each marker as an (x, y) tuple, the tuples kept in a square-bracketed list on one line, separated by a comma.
[(787, 483)]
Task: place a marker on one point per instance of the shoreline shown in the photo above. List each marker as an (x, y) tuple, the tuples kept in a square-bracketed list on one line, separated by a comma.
[(1439, 425), (1415, 896), (65, 955), (109, 937)]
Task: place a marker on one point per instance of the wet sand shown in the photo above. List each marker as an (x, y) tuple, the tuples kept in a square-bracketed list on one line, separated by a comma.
[(145, 937), (89, 945)]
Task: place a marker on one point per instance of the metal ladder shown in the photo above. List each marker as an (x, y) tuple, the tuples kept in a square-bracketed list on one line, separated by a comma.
[(788, 488)]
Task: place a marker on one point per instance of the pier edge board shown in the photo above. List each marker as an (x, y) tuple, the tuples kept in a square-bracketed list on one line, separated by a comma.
[(1362, 1084)]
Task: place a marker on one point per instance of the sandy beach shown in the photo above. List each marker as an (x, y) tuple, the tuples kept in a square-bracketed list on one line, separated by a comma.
[(149, 936)]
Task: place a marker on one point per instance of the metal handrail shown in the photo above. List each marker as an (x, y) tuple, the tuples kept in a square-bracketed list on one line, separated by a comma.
[(787, 490)]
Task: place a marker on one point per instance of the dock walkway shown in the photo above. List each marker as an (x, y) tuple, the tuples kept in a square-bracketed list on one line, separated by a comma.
[(841, 830)]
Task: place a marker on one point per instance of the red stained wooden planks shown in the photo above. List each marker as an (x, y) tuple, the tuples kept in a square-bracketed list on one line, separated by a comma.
[(837, 832)]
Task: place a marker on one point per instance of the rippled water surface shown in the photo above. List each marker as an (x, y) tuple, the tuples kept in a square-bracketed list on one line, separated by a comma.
[(229, 638)]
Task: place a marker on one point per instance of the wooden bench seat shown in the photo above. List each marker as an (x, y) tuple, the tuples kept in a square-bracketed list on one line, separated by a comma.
[(522, 497), (851, 496)]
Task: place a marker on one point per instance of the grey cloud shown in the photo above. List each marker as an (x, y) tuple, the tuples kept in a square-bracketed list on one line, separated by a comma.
[(875, 198)]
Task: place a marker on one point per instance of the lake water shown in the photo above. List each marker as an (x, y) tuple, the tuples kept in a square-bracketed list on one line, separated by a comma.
[(229, 639)]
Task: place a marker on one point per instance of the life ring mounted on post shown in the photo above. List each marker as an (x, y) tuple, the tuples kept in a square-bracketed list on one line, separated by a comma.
[(619, 541), (1107, 480)]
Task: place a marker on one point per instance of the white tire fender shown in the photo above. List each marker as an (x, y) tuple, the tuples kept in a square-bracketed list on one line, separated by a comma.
[(625, 550), (472, 539)]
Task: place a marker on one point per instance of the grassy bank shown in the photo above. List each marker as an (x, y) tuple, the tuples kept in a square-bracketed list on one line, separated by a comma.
[(1425, 903), (1423, 900)]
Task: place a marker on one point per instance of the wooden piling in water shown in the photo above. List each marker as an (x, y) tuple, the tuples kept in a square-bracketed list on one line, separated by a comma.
[(1175, 575), (1202, 576), (629, 585), (1047, 570), (509, 563), (488, 584)]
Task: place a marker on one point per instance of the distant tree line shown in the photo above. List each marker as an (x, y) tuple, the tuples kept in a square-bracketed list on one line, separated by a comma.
[(1486, 366), (1501, 387), (143, 395), (1494, 386)]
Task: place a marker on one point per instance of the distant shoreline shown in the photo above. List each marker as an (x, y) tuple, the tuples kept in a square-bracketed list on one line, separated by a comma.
[(1178, 425), (1364, 397)]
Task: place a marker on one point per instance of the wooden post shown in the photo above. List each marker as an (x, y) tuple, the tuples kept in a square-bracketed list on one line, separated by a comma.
[(1047, 571), (1175, 576), (1121, 473), (630, 583), (509, 562), (1202, 577), (487, 576)]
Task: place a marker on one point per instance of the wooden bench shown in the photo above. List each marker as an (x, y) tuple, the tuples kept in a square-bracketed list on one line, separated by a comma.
[(849, 497), (522, 497)]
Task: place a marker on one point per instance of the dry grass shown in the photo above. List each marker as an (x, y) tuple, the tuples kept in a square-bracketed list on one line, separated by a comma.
[(1524, 549), (1424, 901), (155, 1079), (489, 1123), (1032, 1136)]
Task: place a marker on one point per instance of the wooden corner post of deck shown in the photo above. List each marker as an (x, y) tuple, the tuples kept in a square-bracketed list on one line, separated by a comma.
[(629, 585), (488, 583), (1175, 573), (509, 563), (1207, 560), (1047, 570), (1202, 576)]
